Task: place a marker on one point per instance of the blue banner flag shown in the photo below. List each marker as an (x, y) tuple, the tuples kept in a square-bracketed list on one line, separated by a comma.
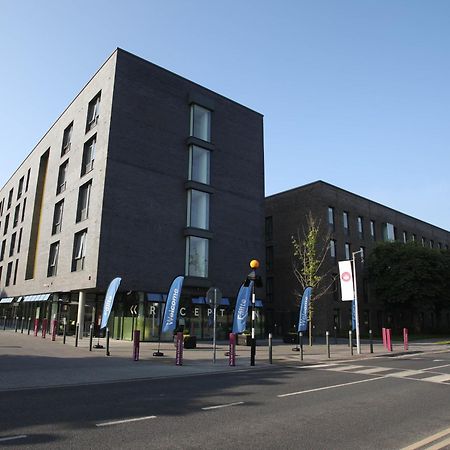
[(241, 309), (304, 310), (109, 301), (353, 315), (173, 300)]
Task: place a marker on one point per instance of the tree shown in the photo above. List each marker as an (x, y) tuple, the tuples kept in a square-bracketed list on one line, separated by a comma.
[(310, 250)]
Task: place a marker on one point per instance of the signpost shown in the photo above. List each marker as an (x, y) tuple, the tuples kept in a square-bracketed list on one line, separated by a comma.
[(213, 297)]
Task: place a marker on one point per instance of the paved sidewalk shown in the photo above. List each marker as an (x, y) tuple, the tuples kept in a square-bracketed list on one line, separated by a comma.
[(34, 362)]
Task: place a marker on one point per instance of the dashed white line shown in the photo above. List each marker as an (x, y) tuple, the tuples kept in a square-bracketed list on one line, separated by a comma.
[(222, 406), (118, 422), (12, 438), (328, 387)]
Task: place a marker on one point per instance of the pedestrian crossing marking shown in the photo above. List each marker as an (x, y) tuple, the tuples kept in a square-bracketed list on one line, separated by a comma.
[(373, 370), (344, 368), (404, 373), (439, 378)]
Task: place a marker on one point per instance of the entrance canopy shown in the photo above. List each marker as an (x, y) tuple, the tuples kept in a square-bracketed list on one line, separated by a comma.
[(36, 298), (7, 300)]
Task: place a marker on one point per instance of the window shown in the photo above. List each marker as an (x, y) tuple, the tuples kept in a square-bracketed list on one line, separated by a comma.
[(360, 222), (269, 228), (62, 177), (1, 272), (10, 197), (57, 217), (431, 243), (79, 251), (23, 209), (19, 241), (93, 112), (333, 248), (196, 257), (439, 246), (20, 188), (16, 216), (388, 232), (2, 250), (8, 274), (423, 241), (345, 222), (88, 156), (67, 138), (15, 271), (199, 164), (5, 229), (2, 203), (198, 209), (405, 237), (413, 237), (12, 245), (53, 259), (331, 217), (83, 201), (201, 123), (28, 180), (269, 258), (347, 251), (372, 230)]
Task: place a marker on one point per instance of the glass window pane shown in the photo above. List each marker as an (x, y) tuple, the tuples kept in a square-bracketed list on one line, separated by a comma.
[(199, 164), (196, 257), (201, 123), (198, 209)]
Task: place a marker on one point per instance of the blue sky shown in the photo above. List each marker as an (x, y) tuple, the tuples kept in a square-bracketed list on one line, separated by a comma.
[(354, 92)]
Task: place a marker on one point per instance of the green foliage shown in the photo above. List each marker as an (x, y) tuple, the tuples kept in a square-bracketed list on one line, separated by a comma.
[(410, 275)]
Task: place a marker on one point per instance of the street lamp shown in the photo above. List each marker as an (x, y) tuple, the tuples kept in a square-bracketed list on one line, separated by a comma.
[(355, 290)]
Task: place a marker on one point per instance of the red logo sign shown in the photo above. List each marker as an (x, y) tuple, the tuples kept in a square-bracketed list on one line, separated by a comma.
[(346, 276)]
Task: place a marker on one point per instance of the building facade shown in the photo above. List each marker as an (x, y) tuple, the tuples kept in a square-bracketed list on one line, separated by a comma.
[(144, 176), (354, 224)]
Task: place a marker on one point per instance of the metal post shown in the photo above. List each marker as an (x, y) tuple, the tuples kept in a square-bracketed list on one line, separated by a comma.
[(371, 341), (77, 330), (16, 324), (91, 335), (64, 329), (301, 346), (270, 348), (214, 327), (136, 340), (350, 340), (29, 325), (355, 290), (335, 335), (4, 323), (22, 324), (327, 339), (107, 342), (405, 338), (253, 343)]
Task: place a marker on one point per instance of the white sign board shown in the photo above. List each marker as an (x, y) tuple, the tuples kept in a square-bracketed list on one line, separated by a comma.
[(346, 277)]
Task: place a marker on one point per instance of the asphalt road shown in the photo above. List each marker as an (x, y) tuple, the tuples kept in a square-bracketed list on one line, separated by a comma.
[(380, 403)]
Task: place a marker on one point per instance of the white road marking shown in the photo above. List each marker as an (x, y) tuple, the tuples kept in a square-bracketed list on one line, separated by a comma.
[(12, 438), (373, 370), (428, 440), (403, 373), (317, 366), (327, 387), (117, 422), (437, 367), (438, 360), (342, 368), (438, 378), (222, 406), (440, 445)]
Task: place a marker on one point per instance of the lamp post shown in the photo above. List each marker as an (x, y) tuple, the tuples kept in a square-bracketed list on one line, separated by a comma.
[(254, 264), (355, 290)]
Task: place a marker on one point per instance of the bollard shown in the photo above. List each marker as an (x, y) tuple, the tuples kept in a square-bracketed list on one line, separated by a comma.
[(107, 342), (405, 338), (44, 328), (335, 335), (383, 332), (136, 339), (77, 331), (350, 341), (371, 341), (179, 349), (301, 346), (36, 327), (64, 330), (327, 339), (232, 350), (388, 339), (16, 324), (21, 325), (29, 325), (4, 323), (54, 328), (91, 336), (270, 348)]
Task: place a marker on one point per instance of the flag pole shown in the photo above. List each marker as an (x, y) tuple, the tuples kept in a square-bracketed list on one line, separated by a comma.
[(355, 290)]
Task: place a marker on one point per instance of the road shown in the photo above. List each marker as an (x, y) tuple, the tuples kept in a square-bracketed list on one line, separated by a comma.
[(378, 403)]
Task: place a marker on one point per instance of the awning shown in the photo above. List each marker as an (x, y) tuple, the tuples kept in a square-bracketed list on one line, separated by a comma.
[(19, 299), (156, 298), (36, 298), (7, 300), (198, 300)]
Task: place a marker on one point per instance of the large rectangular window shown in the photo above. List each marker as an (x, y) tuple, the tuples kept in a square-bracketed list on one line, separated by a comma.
[(16, 215), (27, 184), (53, 259), (199, 164), (93, 112), (347, 251), (20, 188), (19, 241), (198, 209), (196, 257), (345, 222), (360, 222), (2, 250), (201, 122), (388, 232), (84, 196), (331, 218), (372, 230), (5, 228), (23, 209), (10, 197), (62, 177), (79, 251), (67, 138), (12, 245), (333, 248), (8, 274), (88, 156), (58, 217)]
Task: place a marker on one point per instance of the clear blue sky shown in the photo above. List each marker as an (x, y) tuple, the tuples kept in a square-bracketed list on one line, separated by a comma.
[(354, 92)]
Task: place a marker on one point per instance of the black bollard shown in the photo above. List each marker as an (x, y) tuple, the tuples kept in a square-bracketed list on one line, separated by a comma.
[(327, 339), (29, 325), (335, 335), (16, 324), (77, 330), (64, 330), (91, 335), (4, 323), (270, 348), (107, 342), (21, 325), (301, 346), (371, 341)]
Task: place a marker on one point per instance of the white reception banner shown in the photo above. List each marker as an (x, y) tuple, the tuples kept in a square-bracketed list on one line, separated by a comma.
[(346, 277)]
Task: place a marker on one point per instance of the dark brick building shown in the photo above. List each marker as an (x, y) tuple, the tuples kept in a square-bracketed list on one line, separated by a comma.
[(355, 223)]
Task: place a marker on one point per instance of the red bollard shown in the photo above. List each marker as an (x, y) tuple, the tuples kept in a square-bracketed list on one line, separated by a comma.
[(405, 338), (179, 349), (388, 339), (232, 350), (383, 332), (136, 343), (44, 328), (54, 328), (36, 327)]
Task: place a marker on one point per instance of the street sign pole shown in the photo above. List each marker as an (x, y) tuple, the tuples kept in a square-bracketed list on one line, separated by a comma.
[(213, 297)]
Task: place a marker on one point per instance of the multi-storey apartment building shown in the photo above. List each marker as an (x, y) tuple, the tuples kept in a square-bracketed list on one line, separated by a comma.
[(144, 176), (355, 224)]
